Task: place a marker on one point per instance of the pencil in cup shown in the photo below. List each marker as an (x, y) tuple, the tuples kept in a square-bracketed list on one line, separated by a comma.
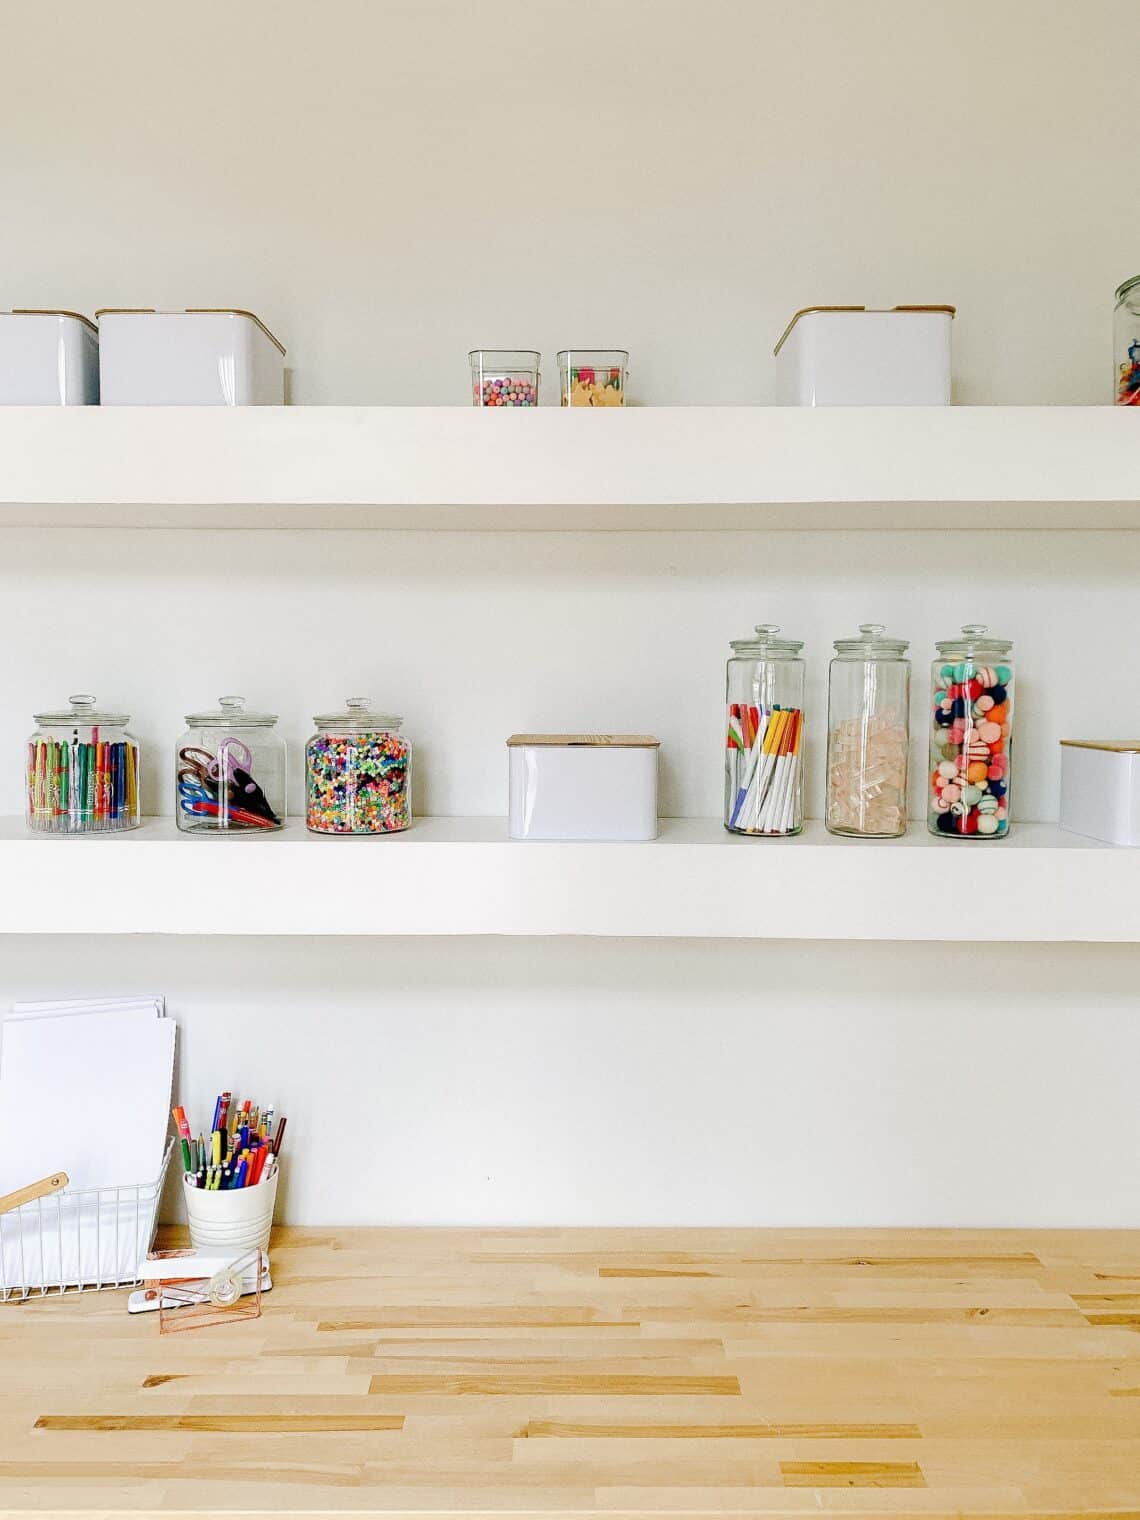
[(764, 790)]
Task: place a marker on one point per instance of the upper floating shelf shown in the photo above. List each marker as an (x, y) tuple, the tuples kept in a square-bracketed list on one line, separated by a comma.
[(647, 468)]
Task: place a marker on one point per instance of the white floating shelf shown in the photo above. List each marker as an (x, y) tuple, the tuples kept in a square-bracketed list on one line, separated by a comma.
[(450, 876), (648, 468)]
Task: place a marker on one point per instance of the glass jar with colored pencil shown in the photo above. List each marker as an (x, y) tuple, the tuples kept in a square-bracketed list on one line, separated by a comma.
[(764, 744), (82, 771)]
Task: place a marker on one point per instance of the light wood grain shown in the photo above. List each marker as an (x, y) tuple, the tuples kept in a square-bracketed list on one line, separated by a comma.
[(578, 1373)]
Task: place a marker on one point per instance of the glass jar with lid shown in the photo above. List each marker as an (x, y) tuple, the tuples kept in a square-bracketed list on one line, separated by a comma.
[(230, 771), (971, 736), (868, 735), (504, 376), (763, 784), (1126, 342), (358, 773), (593, 376), (82, 771)]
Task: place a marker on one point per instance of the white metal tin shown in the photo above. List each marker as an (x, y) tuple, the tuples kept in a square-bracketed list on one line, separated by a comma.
[(1100, 789), (189, 358), (583, 786), (849, 356), (48, 358)]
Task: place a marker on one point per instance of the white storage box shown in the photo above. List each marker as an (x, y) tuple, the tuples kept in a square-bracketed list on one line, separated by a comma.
[(849, 356), (189, 358), (48, 358), (1100, 789), (583, 786)]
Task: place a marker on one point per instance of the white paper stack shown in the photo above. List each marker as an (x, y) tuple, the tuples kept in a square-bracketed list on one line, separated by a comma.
[(84, 1089)]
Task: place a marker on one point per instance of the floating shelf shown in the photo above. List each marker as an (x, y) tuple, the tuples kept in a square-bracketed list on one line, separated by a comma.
[(449, 876), (643, 468)]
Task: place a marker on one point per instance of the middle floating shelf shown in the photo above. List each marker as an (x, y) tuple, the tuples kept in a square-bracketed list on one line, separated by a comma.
[(646, 468), (449, 876)]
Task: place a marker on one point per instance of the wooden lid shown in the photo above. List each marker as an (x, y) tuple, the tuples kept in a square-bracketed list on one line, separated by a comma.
[(1115, 746), (584, 741)]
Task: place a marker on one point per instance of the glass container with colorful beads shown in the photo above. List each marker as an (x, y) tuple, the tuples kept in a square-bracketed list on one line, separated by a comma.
[(358, 773), (971, 736), (1126, 342)]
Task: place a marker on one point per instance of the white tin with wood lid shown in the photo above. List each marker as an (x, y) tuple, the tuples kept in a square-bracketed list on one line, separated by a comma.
[(853, 356), (189, 358), (1100, 789), (583, 786), (48, 358)]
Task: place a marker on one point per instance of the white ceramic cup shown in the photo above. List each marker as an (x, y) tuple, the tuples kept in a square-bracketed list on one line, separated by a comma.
[(238, 1220)]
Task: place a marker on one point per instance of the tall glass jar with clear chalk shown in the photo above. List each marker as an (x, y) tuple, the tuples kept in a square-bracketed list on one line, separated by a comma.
[(764, 698), (971, 736), (230, 771), (868, 735)]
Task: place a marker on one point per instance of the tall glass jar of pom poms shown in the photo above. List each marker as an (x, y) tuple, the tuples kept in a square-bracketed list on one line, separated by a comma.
[(358, 772), (1126, 342), (82, 771), (763, 782), (971, 736)]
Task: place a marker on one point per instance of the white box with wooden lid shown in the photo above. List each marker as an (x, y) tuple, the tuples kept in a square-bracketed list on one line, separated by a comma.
[(1100, 789), (48, 358), (188, 358), (851, 356), (583, 786)]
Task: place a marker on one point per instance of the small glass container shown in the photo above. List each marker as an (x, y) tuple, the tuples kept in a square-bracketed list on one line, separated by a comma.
[(763, 784), (504, 376), (82, 772), (230, 772), (358, 773), (868, 735), (971, 736), (1126, 342), (593, 376)]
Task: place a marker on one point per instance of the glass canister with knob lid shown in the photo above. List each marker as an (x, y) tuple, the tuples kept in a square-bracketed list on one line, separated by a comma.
[(358, 773), (868, 735), (971, 736), (1126, 342), (82, 771), (230, 771), (763, 787)]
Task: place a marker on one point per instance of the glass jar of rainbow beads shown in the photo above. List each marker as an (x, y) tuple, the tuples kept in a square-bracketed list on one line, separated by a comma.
[(504, 376), (358, 773), (1126, 342), (971, 736), (763, 783), (83, 771), (230, 772), (868, 735)]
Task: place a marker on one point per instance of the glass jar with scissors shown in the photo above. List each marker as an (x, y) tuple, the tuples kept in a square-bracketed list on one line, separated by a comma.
[(230, 771)]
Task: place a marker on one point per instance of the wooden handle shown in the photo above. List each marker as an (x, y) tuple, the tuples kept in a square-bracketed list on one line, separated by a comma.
[(34, 1190)]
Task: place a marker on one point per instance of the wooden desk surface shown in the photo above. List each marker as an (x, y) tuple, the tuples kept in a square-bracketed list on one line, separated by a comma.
[(618, 1372)]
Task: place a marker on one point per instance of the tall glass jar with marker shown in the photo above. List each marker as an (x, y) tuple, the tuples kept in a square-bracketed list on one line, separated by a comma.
[(971, 736), (764, 732)]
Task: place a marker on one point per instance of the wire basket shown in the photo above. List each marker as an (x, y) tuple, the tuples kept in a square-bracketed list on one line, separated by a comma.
[(78, 1242)]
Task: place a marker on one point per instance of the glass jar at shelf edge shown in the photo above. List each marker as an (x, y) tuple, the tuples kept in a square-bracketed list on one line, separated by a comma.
[(971, 736), (358, 773), (230, 772), (82, 772), (504, 376), (763, 782), (593, 376), (1126, 342), (868, 735)]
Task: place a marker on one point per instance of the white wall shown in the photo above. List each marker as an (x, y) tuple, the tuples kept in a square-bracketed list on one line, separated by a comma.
[(389, 185), (640, 1082)]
